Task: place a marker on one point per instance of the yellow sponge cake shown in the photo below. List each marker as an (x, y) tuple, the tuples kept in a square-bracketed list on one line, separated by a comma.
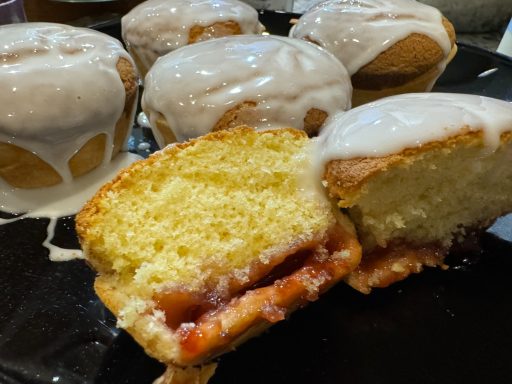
[(415, 172), (208, 242)]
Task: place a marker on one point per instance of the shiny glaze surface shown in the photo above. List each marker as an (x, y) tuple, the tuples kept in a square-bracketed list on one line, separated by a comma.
[(63, 199), (357, 31), (193, 87), (60, 88), (395, 123)]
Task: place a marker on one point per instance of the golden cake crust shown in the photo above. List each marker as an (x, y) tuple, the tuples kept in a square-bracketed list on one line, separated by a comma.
[(182, 323), (406, 60), (245, 114), (189, 375), (346, 177), (23, 169), (222, 28)]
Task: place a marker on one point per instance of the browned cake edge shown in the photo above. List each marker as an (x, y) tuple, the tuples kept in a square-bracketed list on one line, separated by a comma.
[(345, 178), (406, 60), (23, 169)]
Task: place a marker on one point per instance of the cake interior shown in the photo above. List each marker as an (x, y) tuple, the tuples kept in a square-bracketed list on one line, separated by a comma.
[(410, 208), (225, 231), (436, 195), (194, 216)]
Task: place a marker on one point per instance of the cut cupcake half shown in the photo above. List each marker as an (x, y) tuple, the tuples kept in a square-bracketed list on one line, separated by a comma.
[(209, 242), (417, 173)]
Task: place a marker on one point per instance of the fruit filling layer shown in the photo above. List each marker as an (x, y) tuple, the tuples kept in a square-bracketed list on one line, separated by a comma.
[(208, 325), (385, 266)]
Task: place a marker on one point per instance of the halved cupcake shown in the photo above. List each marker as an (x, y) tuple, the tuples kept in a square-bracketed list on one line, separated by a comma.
[(417, 173), (209, 242)]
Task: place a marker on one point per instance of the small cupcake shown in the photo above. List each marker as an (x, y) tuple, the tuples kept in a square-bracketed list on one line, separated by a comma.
[(67, 103), (388, 46), (264, 82), (157, 27), (417, 174)]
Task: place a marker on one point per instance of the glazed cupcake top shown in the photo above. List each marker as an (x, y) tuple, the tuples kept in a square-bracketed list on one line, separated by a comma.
[(390, 125), (194, 86), (156, 27), (60, 88), (357, 31)]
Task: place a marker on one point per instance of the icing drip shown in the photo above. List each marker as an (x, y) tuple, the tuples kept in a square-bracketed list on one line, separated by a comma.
[(395, 123), (357, 31), (194, 86), (63, 199), (60, 88), (157, 27), (58, 253), (142, 120)]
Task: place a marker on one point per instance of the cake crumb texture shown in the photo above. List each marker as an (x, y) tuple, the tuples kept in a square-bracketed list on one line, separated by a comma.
[(425, 195), (197, 212)]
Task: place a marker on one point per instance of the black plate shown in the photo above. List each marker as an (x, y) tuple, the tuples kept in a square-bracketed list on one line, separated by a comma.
[(436, 327)]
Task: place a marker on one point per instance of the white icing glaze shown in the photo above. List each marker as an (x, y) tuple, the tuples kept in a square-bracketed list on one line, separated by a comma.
[(194, 86), (395, 123), (64, 199), (142, 120), (58, 253), (357, 31), (60, 88), (157, 27)]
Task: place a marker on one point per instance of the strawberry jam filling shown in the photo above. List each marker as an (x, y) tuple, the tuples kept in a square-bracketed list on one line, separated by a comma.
[(207, 325), (385, 266)]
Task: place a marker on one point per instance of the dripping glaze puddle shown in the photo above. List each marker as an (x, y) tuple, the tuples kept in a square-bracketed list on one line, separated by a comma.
[(64, 199)]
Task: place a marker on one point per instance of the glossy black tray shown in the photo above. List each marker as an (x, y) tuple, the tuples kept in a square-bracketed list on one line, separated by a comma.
[(436, 327)]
